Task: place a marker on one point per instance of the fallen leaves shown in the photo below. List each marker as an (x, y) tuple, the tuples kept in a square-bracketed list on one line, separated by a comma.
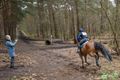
[(23, 78)]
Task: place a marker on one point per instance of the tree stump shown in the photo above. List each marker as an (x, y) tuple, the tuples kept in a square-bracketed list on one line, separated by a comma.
[(48, 42)]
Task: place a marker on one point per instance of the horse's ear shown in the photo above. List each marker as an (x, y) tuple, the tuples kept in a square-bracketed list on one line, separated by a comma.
[(92, 38)]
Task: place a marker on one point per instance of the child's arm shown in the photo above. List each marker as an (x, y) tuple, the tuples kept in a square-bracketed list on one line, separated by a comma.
[(11, 43)]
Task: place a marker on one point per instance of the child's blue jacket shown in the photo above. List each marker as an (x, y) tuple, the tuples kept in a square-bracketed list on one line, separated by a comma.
[(11, 47)]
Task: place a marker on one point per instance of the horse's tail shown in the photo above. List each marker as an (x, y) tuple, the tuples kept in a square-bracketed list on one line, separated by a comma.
[(104, 51)]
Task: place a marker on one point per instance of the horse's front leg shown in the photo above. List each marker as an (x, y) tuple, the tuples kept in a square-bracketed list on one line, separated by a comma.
[(97, 60), (81, 56), (86, 60)]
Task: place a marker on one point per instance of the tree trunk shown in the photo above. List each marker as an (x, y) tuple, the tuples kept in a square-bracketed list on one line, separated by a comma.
[(54, 22), (102, 17), (40, 30), (77, 14), (9, 20), (1, 26)]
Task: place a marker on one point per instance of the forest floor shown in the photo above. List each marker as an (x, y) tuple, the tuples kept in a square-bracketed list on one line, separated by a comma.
[(36, 61)]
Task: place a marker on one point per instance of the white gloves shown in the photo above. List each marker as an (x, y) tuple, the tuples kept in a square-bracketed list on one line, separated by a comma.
[(16, 40)]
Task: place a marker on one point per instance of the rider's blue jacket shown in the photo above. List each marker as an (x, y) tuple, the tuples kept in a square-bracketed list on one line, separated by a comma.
[(82, 38), (81, 35)]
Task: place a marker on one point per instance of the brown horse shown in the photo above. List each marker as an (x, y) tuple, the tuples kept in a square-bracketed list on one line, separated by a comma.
[(92, 48)]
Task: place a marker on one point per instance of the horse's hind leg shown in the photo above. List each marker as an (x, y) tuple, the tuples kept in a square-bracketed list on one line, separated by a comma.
[(97, 59)]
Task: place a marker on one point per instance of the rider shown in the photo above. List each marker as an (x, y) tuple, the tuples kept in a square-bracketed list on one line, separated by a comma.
[(81, 38)]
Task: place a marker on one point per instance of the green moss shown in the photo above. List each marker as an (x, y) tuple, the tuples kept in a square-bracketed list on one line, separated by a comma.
[(109, 75)]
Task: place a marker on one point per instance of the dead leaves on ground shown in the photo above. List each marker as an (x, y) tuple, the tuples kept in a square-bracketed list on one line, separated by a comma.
[(19, 60)]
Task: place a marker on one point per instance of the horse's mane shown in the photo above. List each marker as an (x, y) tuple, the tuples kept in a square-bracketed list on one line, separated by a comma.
[(87, 46)]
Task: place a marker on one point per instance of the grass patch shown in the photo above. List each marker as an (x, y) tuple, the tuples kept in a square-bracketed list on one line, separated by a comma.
[(109, 75)]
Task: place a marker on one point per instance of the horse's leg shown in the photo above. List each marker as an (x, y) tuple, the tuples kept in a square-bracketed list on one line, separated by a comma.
[(82, 60), (97, 59), (86, 60), (81, 56)]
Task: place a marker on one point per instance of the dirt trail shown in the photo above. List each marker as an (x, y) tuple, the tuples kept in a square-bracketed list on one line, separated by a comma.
[(35, 61)]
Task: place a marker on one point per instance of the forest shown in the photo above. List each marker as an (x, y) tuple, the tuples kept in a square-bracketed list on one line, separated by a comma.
[(41, 20), (60, 18)]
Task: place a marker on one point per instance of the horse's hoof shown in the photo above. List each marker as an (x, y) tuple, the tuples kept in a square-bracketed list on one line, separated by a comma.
[(99, 67), (88, 63), (82, 67)]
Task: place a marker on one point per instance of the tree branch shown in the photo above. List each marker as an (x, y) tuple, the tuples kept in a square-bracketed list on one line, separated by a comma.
[(3, 3), (114, 34)]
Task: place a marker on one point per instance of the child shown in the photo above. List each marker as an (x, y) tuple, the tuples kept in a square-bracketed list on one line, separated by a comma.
[(11, 49)]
